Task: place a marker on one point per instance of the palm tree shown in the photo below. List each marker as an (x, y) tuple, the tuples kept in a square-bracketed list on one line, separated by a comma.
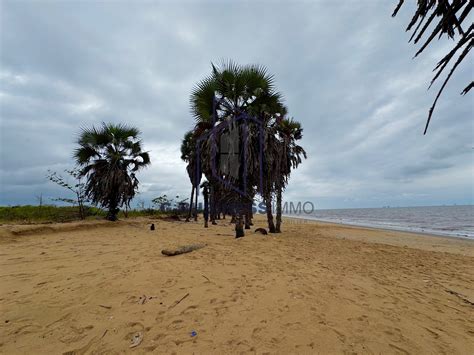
[(228, 92), (216, 103), (205, 192), (109, 156), (290, 157), (188, 153)]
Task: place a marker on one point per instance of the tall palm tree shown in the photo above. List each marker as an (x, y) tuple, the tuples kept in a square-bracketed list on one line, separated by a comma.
[(188, 153), (109, 156), (229, 91), (216, 103), (290, 157)]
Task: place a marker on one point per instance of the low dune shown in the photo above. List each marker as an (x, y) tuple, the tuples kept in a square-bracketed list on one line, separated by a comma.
[(100, 287)]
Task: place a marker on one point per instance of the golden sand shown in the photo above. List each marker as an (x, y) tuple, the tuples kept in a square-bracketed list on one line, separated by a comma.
[(316, 288)]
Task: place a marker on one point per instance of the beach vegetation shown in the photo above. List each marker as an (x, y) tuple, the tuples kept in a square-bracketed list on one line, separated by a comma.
[(47, 214), (28, 214), (254, 150), (78, 188), (109, 157)]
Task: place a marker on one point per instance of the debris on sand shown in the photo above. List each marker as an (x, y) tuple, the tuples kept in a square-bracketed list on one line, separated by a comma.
[(182, 249), (136, 339), (179, 301), (261, 231)]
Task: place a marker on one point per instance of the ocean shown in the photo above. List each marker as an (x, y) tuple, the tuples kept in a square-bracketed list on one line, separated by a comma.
[(453, 221)]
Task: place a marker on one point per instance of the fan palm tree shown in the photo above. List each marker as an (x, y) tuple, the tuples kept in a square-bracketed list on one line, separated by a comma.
[(232, 89), (290, 157), (188, 153), (216, 103), (229, 91), (109, 156)]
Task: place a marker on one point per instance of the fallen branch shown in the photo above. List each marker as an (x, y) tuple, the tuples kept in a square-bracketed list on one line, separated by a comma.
[(182, 250), (103, 306), (463, 298), (178, 302)]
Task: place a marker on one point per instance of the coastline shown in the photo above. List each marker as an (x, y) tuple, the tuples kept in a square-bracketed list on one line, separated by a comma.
[(316, 287), (424, 241), (432, 233)]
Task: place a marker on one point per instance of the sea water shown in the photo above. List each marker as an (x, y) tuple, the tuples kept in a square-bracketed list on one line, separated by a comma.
[(454, 221)]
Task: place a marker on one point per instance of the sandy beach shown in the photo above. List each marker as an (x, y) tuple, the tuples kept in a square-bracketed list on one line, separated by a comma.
[(88, 287)]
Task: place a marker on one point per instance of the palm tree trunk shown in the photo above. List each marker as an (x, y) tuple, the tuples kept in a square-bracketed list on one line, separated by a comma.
[(196, 205), (213, 205), (247, 220), (278, 210), (239, 227), (268, 204), (113, 211), (206, 207), (191, 201), (247, 215)]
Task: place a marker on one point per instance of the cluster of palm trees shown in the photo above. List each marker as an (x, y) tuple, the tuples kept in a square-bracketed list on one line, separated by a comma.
[(242, 143)]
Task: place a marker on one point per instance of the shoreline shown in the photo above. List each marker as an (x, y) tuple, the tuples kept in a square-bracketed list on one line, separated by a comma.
[(422, 241), (381, 228)]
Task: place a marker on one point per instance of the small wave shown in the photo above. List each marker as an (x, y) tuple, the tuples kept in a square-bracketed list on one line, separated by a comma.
[(451, 221)]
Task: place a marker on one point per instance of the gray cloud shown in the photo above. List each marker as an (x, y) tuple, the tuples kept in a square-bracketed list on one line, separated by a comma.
[(345, 70)]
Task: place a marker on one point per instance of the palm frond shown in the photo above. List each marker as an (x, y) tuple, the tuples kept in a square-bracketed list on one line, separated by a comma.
[(448, 21)]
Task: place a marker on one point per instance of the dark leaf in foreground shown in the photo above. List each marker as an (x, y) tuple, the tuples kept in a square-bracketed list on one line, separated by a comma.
[(449, 19)]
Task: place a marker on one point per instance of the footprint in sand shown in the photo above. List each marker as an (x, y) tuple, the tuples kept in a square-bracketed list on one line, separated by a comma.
[(176, 324), (74, 334), (189, 309), (256, 332), (26, 329)]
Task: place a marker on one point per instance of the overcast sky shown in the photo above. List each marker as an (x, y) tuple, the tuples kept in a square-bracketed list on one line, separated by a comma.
[(344, 67)]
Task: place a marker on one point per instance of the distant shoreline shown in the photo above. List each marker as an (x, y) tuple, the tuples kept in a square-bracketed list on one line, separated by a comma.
[(381, 228)]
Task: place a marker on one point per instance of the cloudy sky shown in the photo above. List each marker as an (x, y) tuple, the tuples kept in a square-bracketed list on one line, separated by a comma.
[(345, 69)]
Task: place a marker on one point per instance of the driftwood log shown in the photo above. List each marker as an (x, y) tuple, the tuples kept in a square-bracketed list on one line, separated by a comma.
[(182, 249)]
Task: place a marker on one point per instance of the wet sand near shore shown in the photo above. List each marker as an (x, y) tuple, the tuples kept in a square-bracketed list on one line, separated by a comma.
[(90, 287)]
